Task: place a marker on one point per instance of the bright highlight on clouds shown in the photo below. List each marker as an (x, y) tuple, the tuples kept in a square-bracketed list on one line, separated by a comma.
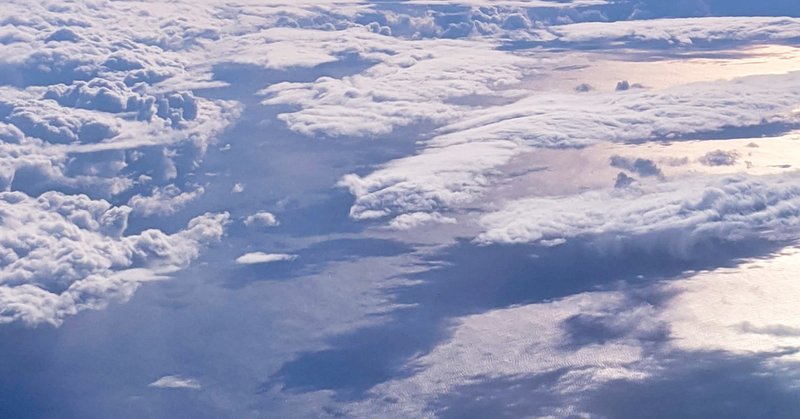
[(261, 257)]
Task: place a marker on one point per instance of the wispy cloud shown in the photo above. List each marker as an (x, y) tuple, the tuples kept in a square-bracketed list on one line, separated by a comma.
[(261, 257), (176, 381)]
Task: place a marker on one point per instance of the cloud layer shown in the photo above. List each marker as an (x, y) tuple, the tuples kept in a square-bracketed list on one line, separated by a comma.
[(455, 167), (673, 216)]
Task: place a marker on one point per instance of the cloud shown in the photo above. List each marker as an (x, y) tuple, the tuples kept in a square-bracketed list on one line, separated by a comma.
[(673, 216), (437, 178), (455, 167), (78, 135), (164, 201), (676, 31), (261, 257), (419, 83), (413, 220), (66, 253), (262, 219), (175, 381), (95, 113)]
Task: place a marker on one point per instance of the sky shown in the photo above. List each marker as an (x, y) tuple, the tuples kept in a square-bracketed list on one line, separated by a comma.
[(395, 209)]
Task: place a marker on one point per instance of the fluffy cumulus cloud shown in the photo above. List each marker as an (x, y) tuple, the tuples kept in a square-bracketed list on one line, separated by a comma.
[(674, 216), (72, 90), (99, 113), (67, 253), (420, 83), (91, 114), (58, 122), (261, 219)]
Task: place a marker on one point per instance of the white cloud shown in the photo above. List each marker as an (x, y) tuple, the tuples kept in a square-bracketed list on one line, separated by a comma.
[(672, 216), (437, 178), (261, 257), (98, 111), (176, 381), (66, 253), (455, 167), (164, 201), (261, 218), (417, 84), (413, 220), (680, 31)]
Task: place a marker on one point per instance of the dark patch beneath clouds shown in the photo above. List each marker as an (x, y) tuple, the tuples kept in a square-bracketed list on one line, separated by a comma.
[(720, 158), (623, 180), (599, 328), (642, 167)]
